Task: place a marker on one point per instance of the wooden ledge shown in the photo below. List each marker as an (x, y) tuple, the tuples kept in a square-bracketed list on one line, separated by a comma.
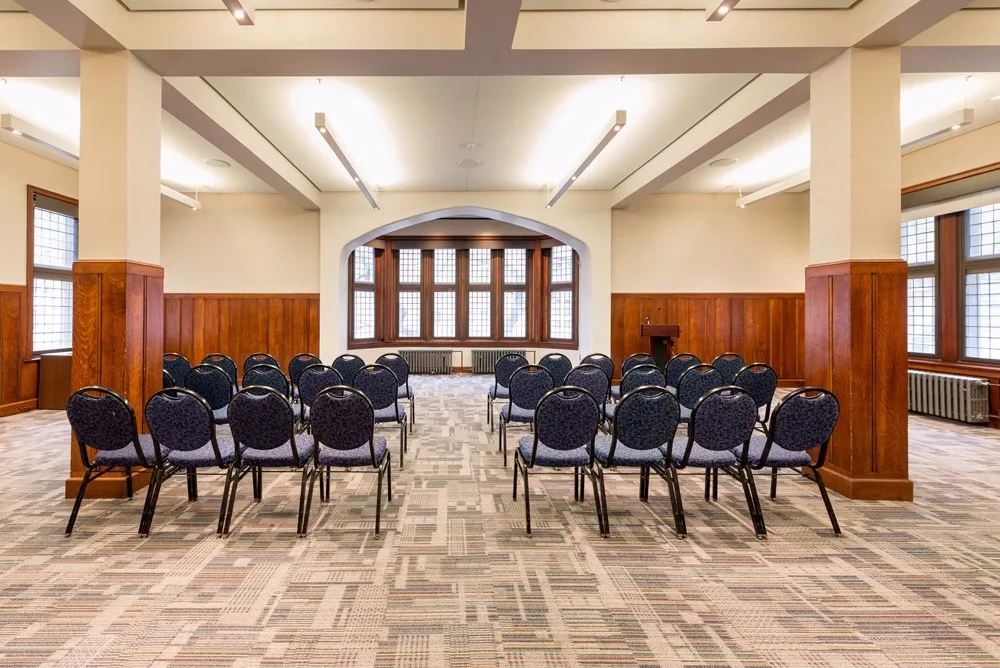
[(130, 267)]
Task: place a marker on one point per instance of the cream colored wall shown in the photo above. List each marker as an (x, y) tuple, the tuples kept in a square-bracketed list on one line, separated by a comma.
[(704, 243), (958, 154), (241, 244), (18, 170)]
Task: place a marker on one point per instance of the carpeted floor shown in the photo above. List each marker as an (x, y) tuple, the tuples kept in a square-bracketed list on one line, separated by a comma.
[(454, 580)]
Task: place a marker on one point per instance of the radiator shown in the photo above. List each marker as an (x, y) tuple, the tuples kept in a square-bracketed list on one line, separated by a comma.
[(944, 395), (427, 361), (485, 359)]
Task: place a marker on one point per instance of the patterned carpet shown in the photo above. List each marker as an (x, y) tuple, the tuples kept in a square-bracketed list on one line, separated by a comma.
[(454, 580)]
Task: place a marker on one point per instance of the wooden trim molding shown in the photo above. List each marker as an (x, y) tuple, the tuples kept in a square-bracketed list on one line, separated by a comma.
[(951, 178), (130, 267), (18, 370)]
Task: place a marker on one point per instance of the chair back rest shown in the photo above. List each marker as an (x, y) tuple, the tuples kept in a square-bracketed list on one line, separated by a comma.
[(729, 364), (805, 419), (261, 418), (180, 420), (558, 365), (101, 418), (602, 361), (343, 419), (315, 379), (347, 365), (211, 383), (696, 382), (224, 362), (177, 365), (299, 363), (258, 358), (267, 375), (505, 368), (760, 380), (677, 365), (378, 383), (643, 374), (646, 418), (529, 384), (399, 366), (723, 419), (566, 419), (635, 360), (168, 380), (591, 378)]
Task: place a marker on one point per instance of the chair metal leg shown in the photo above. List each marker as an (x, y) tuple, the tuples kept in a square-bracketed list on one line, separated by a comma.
[(753, 503), (413, 415), (600, 502), (503, 437), (128, 482), (489, 412), (516, 464), (774, 482), (826, 501), (306, 476), (708, 484), (322, 488), (715, 484), (388, 476), (225, 498), (192, 483), (402, 444), (378, 504), (144, 520), (79, 500), (527, 503), (232, 502), (676, 502), (329, 484), (576, 483)]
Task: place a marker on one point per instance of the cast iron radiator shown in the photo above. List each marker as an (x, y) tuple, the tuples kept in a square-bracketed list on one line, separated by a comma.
[(955, 397)]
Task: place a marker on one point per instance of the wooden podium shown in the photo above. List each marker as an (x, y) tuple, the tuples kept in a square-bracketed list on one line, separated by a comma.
[(661, 341)]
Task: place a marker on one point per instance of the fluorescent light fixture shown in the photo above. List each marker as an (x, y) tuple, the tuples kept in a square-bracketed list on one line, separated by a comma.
[(791, 183), (327, 136), (242, 11), (950, 123), (21, 128), (716, 10), (616, 125), (180, 197)]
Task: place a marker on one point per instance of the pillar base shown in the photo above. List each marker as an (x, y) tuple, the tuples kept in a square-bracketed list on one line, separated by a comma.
[(107, 487)]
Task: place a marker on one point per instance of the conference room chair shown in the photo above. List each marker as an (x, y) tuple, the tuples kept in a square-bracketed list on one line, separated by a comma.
[(401, 368), (347, 365), (719, 436), (603, 361), (225, 363), (558, 365), (168, 380), (645, 421), (761, 381), (104, 420), (566, 425), (729, 364), (378, 383), (296, 366), (803, 420), (527, 387), (677, 365), (593, 379), (263, 427), (181, 425), (343, 428), (502, 371), (314, 379), (177, 365), (637, 376), (213, 385), (694, 383), (268, 375), (634, 360), (254, 359)]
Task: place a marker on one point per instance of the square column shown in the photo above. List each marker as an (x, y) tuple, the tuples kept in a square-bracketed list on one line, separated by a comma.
[(118, 281), (856, 282)]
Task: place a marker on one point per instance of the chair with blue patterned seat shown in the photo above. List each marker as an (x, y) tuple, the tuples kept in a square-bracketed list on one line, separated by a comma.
[(314, 379), (347, 365), (601, 360), (729, 364), (761, 381), (254, 359), (527, 387), (401, 368), (296, 366), (225, 363), (212, 384), (558, 365), (634, 360), (103, 420), (693, 384), (502, 371), (593, 379), (177, 366), (637, 376), (567, 421), (676, 366), (379, 384)]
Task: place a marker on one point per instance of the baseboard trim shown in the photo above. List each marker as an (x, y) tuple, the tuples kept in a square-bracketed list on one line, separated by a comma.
[(107, 487), (6, 410), (867, 489)]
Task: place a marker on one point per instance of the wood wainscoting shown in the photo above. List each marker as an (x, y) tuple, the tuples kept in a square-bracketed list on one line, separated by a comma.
[(239, 325), (760, 327), (18, 371)]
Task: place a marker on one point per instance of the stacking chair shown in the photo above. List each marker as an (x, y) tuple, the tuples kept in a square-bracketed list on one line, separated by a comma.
[(729, 364), (177, 365), (527, 387), (803, 420), (593, 379), (694, 383), (314, 379), (677, 365), (633, 361), (567, 419), (104, 420), (558, 365), (722, 425), (603, 361), (343, 427), (254, 359), (760, 380), (181, 425), (296, 366), (347, 365), (645, 421), (263, 427), (212, 384), (267, 375), (225, 363), (401, 368), (637, 376), (378, 383), (502, 371), (168, 380)]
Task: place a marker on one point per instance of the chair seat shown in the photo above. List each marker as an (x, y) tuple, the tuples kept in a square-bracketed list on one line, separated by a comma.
[(517, 414), (546, 456), (616, 391), (500, 392), (204, 456), (685, 414), (127, 456), (776, 456), (403, 393), (280, 456), (221, 415), (394, 413), (624, 455), (672, 390), (609, 410), (702, 457), (360, 456)]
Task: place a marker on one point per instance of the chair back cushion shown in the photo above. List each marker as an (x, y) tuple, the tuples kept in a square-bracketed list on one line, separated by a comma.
[(347, 366), (591, 378), (267, 376), (224, 363), (696, 382), (602, 361), (262, 420), (558, 365), (177, 365), (677, 365), (378, 383), (760, 380), (398, 365), (211, 383), (179, 419), (101, 419), (567, 418), (635, 360), (729, 364), (529, 384), (343, 419), (299, 363), (315, 379), (723, 419), (258, 358), (646, 419), (643, 374), (506, 366), (805, 419)]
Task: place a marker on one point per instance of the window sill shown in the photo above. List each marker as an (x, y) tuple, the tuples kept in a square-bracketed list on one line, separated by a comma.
[(958, 367)]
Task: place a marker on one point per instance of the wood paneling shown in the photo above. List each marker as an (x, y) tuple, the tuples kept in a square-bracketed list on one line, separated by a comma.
[(237, 325), (760, 327), (855, 336), (18, 372)]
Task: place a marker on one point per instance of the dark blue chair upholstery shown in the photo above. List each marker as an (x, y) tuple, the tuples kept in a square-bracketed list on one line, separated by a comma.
[(602, 361), (269, 376), (591, 378), (254, 359), (177, 365), (633, 360), (558, 365), (347, 365), (104, 420), (212, 384), (567, 420), (676, 366), (527, 387), (225, 363), (401, 368), (729, 364), (379, 384), (315, 379), (761, 381), (694, 383), (344, 431), (296, 366), (168, 380), (638, 376), (502, 371)]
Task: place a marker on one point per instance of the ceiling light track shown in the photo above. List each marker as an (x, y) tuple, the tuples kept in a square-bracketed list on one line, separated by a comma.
[(614, 128), (791, 183), (324, 132), (242, 11), (177, 196), (716, 10), (36, 135)]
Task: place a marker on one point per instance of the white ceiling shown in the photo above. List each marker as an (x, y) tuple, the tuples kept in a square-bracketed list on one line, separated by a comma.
[(683, 4), (464, 227), (173, 5), (409, 133)]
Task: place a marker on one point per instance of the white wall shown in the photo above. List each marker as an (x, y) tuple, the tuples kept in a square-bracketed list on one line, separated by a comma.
[(241, 244), (704, 243)]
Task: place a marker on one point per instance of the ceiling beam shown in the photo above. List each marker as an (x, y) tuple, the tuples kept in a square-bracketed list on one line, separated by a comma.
[(490, 24), (895, 22), (963, 42), (29, 48), (75, 21)]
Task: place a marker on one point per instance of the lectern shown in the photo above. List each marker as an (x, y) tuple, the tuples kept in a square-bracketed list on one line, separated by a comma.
[(661, 341)]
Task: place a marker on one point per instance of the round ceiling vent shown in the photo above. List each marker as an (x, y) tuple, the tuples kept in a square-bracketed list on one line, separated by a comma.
[(723, 162), (217, 163), (469, 163)]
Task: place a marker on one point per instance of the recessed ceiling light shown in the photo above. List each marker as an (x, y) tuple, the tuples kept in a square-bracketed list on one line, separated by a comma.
[(242, 11), (717, 10), (723, 162), (217, 163), (469, 163)]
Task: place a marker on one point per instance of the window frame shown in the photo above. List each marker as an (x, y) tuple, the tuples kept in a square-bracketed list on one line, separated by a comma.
[(967, 266), (927, 270), (420, 288), (435, 288), (353, 286), (572, 286)]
